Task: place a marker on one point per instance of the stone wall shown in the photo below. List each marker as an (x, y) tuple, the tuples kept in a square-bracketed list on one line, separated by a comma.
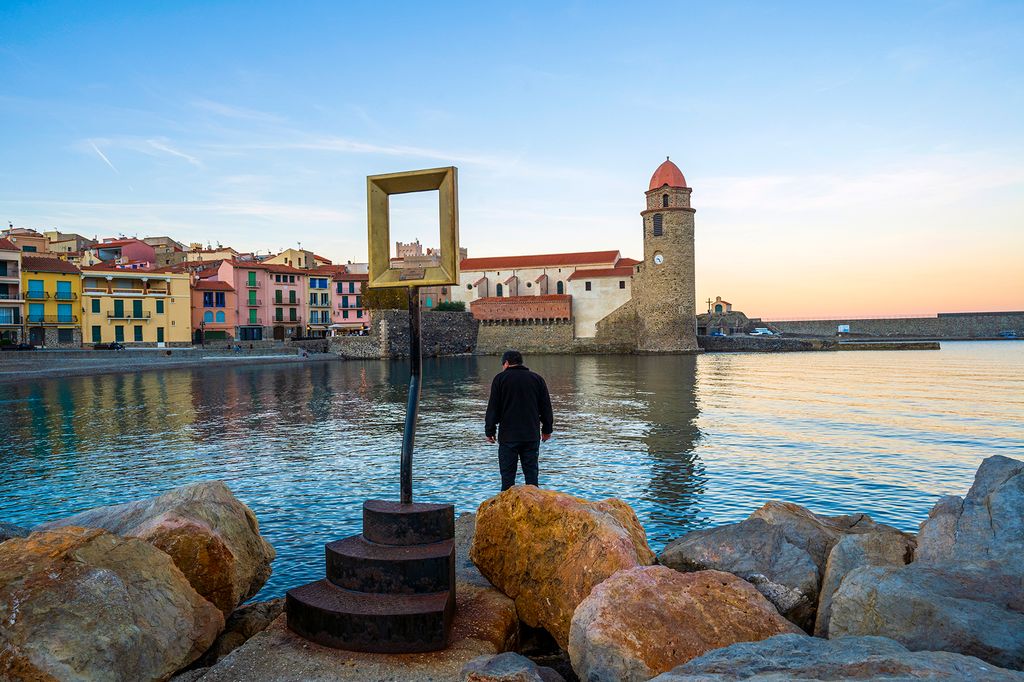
[(552, 307), (442, 333), (619, 329), (356, 347), (944, 326), (51, 339), (496, 337), (763, 344)]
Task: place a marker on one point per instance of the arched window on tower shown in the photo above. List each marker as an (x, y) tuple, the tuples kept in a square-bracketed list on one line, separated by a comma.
[(664, 200), (560, 288), (497, 290), (657, 225)]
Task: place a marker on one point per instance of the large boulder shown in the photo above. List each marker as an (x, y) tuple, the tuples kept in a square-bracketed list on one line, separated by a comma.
[(243, 624), (84, 604), (973, 609), (647, 620), (790, 657), (853, 551), (507, 667), (211, 536), (987, 525), (781, 548), (547, 550)]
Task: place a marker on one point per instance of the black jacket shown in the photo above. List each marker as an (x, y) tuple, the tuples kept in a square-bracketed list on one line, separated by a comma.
[(520, 404)]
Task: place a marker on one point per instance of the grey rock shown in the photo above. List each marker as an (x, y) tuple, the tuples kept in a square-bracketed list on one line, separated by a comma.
[(974, 609), (243, 623), (9, 530), (507, 667), (789, 657), (886, 548), (987, 525), (782, 548), (465, 570)]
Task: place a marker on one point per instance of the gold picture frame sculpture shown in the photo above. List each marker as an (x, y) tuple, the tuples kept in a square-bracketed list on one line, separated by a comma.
[(379, 189)]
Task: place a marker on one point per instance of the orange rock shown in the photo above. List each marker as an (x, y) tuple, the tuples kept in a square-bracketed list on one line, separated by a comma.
[(647, 620), (547, 550), (213, 538), (82, 603)]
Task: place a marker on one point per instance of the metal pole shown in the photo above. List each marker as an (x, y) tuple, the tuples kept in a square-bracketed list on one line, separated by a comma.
[(412, 407)]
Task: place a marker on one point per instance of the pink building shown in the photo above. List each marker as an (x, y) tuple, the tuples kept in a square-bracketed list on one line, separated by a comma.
[(348, 311), (270, 299), (125, 250), (214, 311)]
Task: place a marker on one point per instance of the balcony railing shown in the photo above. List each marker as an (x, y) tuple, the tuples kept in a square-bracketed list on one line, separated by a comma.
[(65, 296), (10, 320), (286, 320), (254, 302), (10, 297), (12, 270), (35, 295), (254, 285), (250, 322), (52, 319), (127, 315), (281, 301)]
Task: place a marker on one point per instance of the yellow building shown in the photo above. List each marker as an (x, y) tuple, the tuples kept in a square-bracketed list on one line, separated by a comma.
[(136, 307), (52, 289)]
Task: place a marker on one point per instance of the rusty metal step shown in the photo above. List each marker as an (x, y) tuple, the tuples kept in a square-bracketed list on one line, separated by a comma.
[(394, 523), (355, 563), (332, 616)]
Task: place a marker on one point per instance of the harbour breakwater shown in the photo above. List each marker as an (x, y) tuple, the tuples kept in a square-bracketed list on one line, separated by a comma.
[(789, 592), (944, 326)]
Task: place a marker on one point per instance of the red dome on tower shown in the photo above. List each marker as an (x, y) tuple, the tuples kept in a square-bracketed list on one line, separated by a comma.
[(667, 174)]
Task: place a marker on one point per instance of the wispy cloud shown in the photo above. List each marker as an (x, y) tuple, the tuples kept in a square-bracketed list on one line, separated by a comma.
[(168, 149), (230, 111), (104, 157), (150, 146)]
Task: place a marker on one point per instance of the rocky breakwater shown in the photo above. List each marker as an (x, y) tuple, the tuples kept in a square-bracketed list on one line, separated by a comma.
[(131, 592), (964, 591), (783, 549), (547, 550)]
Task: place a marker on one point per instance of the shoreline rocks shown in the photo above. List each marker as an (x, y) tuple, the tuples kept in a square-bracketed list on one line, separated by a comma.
[(547, 550), (647, 620), (213, 538), (9, 530), (82, 603)]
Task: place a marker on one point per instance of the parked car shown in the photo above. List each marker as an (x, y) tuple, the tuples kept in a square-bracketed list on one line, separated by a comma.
[(1008, 334), (762, 331), (109, 346), (717, 332), (18, 346)]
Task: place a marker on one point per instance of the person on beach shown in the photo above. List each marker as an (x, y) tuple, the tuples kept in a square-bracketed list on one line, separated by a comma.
[(518, 418)]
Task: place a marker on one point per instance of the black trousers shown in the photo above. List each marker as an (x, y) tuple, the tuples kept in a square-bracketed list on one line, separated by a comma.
[(509, 456)]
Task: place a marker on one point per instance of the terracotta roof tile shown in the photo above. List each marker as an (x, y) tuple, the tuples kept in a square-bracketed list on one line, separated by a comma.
[(7, 245), (212, 285), (549, 260), (43, 264), (626, 271)]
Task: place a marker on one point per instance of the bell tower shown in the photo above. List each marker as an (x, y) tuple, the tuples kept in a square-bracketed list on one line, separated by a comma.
[(665, 294)]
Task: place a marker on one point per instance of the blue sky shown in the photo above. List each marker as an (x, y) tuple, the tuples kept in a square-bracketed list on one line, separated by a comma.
[(845, 157)]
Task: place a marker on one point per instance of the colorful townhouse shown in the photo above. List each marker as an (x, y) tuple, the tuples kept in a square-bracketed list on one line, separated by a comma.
[(214, 311), (270, 299), (137, 308), (52, 289), (10, 293), (349, 314), (318, 309)]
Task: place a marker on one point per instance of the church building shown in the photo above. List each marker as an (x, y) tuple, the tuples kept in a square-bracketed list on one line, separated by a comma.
[(644, 305)]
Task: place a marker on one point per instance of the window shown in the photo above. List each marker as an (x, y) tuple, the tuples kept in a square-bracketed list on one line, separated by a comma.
[(560, 288), (430, 302), (220, 316), (160, 307), (252, 298), (252, 279), (291, 315), (35, 312), (64, 291), (64, 313), (65, 336), (344, 314), (497, 290), (277, 278), (278, 296), (119, 333), (35, 289), (359, 301), (136, 308), (351, 287), (622, 284), (325, 299), (28, 249), (279, 314), (96, 305), (344, 301), (664, 200), (138, 332), (219, 298), (207, 299), (208, 317), (657, 224), (291, 279), (118, 308), (97, 334), (252, 318), (341, 285), (291, 296), (586, 286), (159, 334)]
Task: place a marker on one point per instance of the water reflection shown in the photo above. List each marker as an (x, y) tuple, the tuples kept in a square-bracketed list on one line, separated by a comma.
[(687, 441)]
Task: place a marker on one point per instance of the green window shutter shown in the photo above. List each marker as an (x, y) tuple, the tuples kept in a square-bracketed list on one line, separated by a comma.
[(344, 314), (160, 307), (291, 314), (95, 305), (160, 334), (359, 301), (252, 298), (252, 279), (118, 308), (119, 334), (252, 317), (291, 296), (138, 332), (97, 334), (136, 308)]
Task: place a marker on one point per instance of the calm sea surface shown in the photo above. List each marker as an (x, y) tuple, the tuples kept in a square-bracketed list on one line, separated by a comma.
[(687, 441)]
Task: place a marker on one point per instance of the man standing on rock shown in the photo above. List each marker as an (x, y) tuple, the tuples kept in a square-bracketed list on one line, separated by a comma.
[(519, 412)]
